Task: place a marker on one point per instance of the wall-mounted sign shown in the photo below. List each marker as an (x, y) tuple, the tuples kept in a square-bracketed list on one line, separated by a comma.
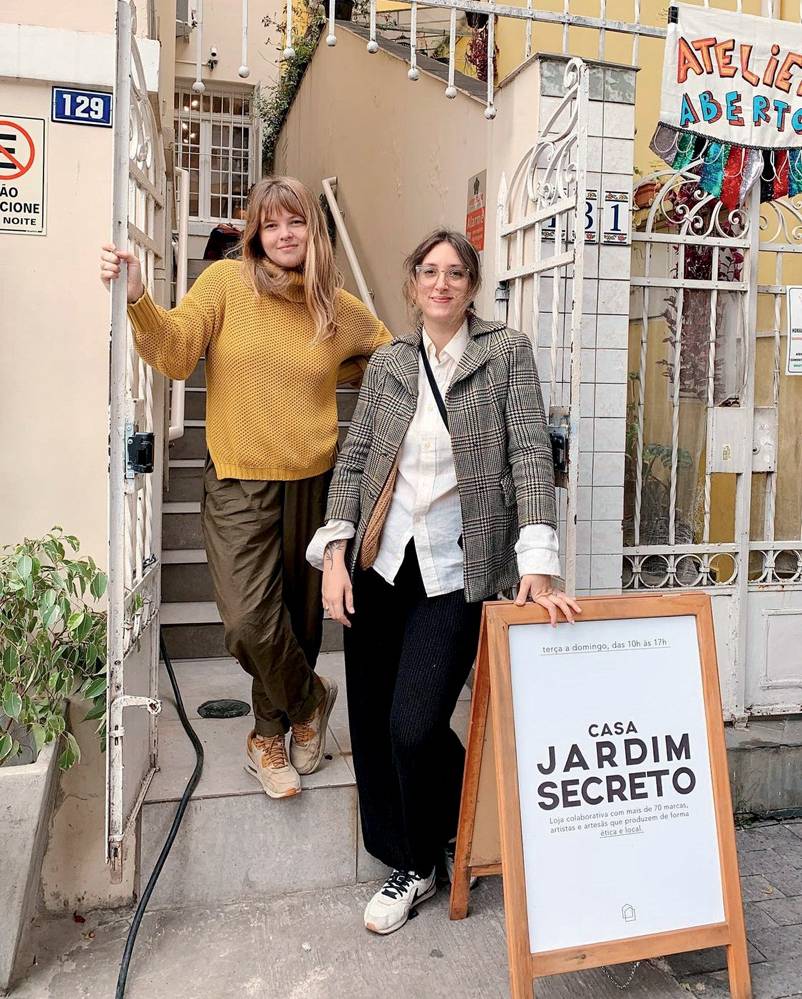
[(81, 107), (794, 310), (22, 174), (596, 783), (476, 211), (591, 216), (616, 217)]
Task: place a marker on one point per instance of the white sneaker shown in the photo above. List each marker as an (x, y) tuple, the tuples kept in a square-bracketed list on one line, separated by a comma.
[(449, 852), (390, 907)]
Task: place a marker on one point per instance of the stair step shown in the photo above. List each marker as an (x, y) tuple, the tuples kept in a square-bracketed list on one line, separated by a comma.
[(235, 842), (198, 377), (190, 612), (195, 403), (191, 445), (206, 641), (184, 483)]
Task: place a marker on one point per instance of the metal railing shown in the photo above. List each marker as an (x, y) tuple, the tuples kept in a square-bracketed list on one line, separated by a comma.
[(330, 192), (177, 388)]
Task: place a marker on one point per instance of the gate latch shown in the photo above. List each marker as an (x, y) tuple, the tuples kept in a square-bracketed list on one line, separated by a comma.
[(559, 448), (140, 451)]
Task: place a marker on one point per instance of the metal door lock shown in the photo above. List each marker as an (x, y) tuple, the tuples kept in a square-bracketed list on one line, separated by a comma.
[(140, 449), (559, 448)]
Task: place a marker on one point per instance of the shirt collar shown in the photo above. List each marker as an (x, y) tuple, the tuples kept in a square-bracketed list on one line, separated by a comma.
[(455, 347)]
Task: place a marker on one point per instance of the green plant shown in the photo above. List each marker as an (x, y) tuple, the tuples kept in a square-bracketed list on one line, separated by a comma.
[(52, 643), (273, 104)]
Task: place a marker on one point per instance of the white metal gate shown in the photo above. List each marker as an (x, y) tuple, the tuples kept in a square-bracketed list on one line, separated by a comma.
[(540, 270), (136, 411)]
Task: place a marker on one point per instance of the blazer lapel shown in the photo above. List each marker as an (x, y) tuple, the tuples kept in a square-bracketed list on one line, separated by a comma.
[(402, 363), (477, 351)]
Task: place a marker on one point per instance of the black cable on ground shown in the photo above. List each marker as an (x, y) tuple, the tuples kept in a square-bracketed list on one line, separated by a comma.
[(179, 815)]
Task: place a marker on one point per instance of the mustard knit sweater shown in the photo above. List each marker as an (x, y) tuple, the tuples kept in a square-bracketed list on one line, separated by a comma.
[(271, 408)]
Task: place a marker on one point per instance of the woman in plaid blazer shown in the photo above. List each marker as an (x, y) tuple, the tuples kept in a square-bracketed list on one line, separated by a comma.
[(442, 496)]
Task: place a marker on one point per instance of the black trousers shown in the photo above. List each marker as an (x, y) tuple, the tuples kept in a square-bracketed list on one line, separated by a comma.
[(407, 657)]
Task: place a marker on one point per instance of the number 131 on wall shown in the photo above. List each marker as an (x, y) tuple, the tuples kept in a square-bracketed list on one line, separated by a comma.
[(81, 107)]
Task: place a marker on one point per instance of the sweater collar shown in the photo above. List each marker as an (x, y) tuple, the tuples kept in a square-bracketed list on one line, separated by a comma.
[(293, 290)]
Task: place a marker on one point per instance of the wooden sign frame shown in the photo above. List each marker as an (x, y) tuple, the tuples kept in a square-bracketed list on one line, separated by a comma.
[(489, 839)]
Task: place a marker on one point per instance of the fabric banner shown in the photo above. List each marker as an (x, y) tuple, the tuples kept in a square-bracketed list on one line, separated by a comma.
[(733, 78)]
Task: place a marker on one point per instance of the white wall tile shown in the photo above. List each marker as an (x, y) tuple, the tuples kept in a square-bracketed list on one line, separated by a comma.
[(583, 572), (611, 365), (611, 400), (607, 503), (595, 152), (608, 468), (605, 571), (588, 359), (609, 434), (606, 537), (586, 432), (589, 330), (592, 260), (590, 290), (619, 120), (613, 331), (583, 537), (587, 391), (583, 502), (615, 261), (614, 298), (585, 468), (617, 155)]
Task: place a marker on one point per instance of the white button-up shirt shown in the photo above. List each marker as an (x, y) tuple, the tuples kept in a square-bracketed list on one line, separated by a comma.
[(426, 505)]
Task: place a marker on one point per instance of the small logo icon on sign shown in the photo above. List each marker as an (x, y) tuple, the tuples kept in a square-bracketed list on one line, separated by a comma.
[(628, 913)]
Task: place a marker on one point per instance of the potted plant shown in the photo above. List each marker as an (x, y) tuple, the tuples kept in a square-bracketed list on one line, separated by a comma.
[(52, 646)]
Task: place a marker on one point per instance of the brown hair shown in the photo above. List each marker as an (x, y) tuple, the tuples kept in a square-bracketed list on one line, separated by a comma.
[(322, 280), (464, 250)]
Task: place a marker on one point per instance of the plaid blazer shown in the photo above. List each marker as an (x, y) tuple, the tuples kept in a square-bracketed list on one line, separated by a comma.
[(502, 453)]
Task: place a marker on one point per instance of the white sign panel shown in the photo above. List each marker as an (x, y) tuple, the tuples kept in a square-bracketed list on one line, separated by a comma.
[(22, 174), (794, 310), (616, 217), (617, 811)]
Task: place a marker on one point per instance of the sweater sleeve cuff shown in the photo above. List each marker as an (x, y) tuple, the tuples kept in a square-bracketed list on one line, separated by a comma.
[(333, 530), (144, 313), (538, 549)]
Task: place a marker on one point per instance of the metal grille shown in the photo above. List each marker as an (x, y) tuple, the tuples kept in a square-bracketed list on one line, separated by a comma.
[(540, 268), (135, 405), (214, 141)]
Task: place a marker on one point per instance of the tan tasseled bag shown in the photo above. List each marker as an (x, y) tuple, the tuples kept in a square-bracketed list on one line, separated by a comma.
[(373, 532)]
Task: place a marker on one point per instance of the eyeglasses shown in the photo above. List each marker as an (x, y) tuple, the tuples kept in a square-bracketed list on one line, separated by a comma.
[(427, 274)]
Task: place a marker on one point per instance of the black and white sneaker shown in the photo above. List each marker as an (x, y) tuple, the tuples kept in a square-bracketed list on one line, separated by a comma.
[(448, 853), (390, 907)]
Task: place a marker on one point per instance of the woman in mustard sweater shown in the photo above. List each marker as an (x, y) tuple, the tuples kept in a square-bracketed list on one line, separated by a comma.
[(278, 332)]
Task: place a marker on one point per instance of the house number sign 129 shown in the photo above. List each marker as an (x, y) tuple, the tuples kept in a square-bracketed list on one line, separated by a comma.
[(81, 107)]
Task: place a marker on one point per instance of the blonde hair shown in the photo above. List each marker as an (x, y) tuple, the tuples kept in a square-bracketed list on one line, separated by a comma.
[(322, 280), (464, 250)]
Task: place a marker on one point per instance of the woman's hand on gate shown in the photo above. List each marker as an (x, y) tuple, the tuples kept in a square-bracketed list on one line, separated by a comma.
[(539, 590), (110, 259), (338, 595)]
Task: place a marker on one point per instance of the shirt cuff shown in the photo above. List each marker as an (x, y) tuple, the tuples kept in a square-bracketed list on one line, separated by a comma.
[(334, 530), (538, 551)]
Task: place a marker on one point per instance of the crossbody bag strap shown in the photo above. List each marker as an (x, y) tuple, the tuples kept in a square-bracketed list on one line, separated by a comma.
[(433, 385)]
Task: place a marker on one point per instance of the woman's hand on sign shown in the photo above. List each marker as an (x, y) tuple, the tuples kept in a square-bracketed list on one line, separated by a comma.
[(539, 590), (338, 595), (110, 260)]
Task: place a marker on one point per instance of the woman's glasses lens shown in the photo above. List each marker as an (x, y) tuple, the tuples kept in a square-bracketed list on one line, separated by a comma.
[(428, 275)]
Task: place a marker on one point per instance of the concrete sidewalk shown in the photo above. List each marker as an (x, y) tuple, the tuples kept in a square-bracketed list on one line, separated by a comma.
[(312, 945), (306, 946), (770, 858)]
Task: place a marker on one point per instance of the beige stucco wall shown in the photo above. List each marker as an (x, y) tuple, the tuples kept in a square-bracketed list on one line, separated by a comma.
[(222, 28), (402, 155)]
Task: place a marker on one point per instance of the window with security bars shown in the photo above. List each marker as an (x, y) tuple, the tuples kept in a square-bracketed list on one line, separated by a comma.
[(214, 142)]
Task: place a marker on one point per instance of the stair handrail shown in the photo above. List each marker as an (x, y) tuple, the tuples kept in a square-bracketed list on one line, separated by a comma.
[(329, 190), (177, 388)]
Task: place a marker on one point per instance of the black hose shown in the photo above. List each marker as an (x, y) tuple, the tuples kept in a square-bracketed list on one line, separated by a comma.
[(179, 815)]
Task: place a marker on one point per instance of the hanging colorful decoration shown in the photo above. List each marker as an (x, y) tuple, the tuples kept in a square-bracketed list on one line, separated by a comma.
[(731, 103)]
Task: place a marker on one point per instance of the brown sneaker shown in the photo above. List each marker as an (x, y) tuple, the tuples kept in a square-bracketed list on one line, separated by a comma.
[(266, 760), (308, 741)]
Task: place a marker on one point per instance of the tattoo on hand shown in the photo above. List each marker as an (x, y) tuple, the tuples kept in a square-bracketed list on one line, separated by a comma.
[(331, 548)]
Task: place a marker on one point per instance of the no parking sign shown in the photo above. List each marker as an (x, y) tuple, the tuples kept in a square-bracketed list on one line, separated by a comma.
[(22, 174)]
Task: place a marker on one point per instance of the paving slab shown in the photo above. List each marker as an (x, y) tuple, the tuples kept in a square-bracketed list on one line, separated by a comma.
[(309, 945), (771, 866)]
